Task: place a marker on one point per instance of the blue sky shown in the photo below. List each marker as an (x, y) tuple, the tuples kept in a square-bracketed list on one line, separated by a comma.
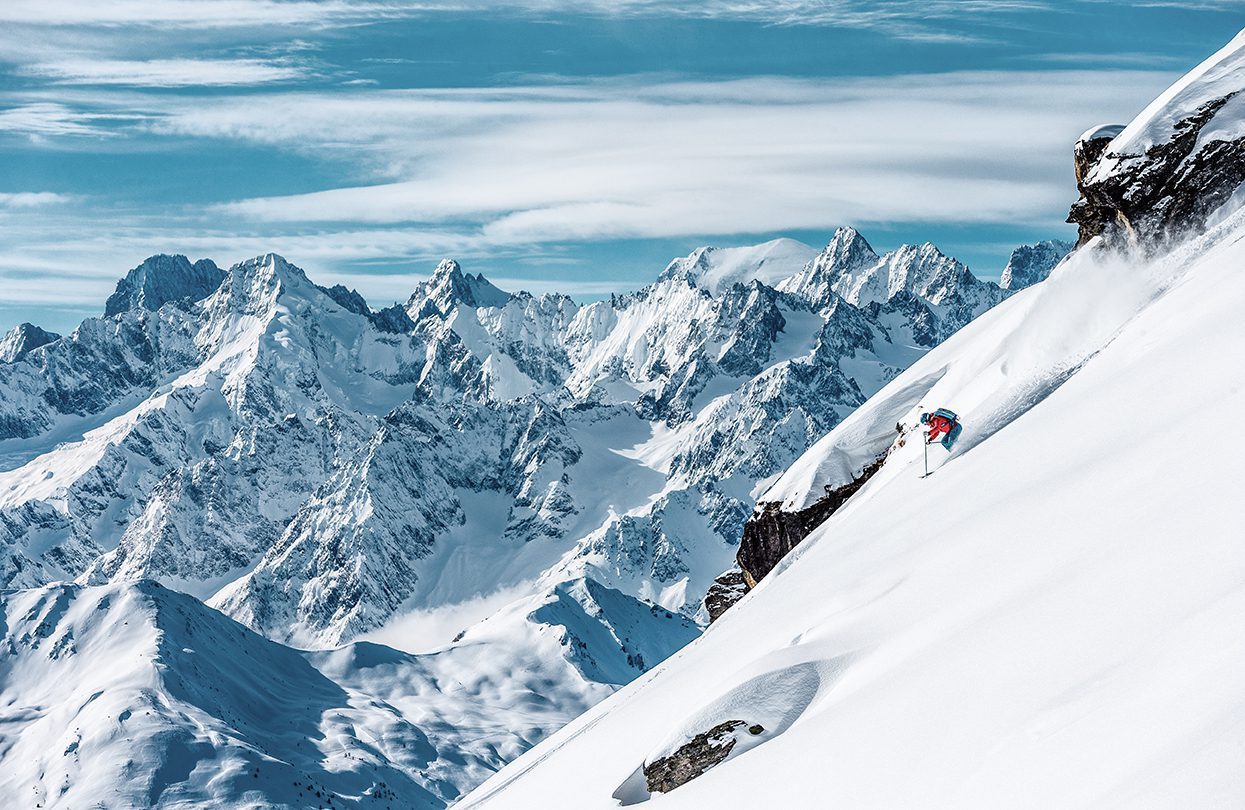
[(551, 144)]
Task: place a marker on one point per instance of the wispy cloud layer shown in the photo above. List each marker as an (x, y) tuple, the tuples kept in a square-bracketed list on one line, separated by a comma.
[(166, 72), (187, 122), (905, 19), (31, 199), (40, 120), (496, 171), (624, 159), (193, 13)]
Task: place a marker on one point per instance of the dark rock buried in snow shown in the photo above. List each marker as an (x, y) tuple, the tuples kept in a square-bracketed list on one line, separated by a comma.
[(771, 533), (692, 759), (725, 591)]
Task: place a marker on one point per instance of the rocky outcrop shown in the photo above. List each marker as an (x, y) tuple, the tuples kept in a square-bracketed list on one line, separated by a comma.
[(725, 591), (1169, 171), (771, 533), (1091, 146), (1171, 192), (704, 751)]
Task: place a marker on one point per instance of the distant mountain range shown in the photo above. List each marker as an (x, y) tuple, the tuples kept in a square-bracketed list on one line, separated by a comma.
[(569, 478)]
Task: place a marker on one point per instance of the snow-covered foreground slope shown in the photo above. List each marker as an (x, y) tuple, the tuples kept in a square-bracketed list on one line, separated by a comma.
[(1052, 619)]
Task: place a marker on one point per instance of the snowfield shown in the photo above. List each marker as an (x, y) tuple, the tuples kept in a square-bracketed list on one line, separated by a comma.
[(1052, 619)]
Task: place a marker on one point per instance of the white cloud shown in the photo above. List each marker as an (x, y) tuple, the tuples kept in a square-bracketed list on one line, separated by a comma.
[(31, 199), (45, 119), (625, 159), (937, 20), (490, 174), (166, 72), (191, 13)]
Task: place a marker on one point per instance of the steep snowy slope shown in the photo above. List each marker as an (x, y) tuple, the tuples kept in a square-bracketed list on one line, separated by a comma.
[(1051, 619)]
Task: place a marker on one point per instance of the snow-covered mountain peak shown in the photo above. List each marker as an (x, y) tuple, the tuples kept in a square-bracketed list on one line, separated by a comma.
[(253, 286), (450, 287), (846, 254), (715, 269), (132, 695), (23, 339), (848, 249), (162, 279), (850, 269)]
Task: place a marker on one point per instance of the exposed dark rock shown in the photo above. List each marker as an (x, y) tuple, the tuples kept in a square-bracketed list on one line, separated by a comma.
[(1091, 147), (393, 320), (1172, 189), (725, 591), (164, 279), (348, 299), (771, 533), (692, 759)]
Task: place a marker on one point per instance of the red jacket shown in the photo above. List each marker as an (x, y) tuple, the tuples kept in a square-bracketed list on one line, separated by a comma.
[(939, 426)]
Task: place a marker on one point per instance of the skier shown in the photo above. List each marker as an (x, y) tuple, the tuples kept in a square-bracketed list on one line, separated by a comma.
[(944, 427)]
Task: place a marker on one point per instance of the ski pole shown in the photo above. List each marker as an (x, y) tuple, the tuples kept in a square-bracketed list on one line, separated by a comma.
[(925, 447)]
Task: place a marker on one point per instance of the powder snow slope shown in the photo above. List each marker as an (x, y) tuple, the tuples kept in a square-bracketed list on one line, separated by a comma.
[(1051, 620)]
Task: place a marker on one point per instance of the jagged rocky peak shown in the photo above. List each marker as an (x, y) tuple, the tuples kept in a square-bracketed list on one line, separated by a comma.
[(23, 339), (450, 287), (258, 281), (1175, 167), (348, 299), (1030, 264), (848, 248), (163, 279), (846, 254), (392, 319)]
